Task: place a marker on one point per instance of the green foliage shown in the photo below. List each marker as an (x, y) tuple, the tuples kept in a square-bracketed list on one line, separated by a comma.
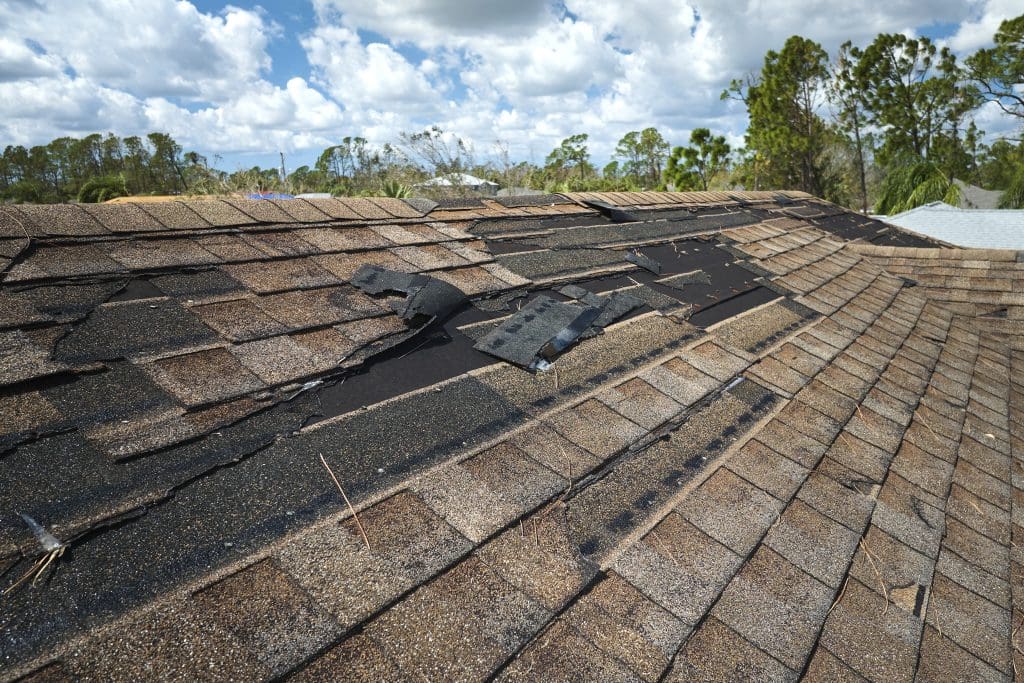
[(783, 101), (642, 153), (570, 161), (58, 171), (696, 166), (393, 188), (914, 96), (913, 185), (998, 72), (1013, 196), (851, 115), (101, 189)]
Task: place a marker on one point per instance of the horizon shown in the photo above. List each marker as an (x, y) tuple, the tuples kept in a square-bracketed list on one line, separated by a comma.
[(244, 81)]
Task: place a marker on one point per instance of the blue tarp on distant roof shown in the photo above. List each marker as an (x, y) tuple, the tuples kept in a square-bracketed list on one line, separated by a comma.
[(270, 195)]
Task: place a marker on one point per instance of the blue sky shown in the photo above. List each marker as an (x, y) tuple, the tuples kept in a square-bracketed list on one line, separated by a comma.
[(245, 80)]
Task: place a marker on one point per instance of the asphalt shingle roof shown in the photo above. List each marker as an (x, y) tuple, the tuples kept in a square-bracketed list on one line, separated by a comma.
[(973, 228), (798, 458)]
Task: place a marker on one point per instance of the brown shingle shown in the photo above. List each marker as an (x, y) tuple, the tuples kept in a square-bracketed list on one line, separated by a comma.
[(731, 510), (596, 427), (144, 254), (238, 319), (810, 540), (408, 545), (679, 567), (204, 376), (562, 653), (486, 491), (278, 276), (218, 213), (540, 557), (343, 239), (461, 625), (876, 640), (641, 403), (277, 360), (717, 654), (767, 470), (971, 621), (267, 611), (776, 607)]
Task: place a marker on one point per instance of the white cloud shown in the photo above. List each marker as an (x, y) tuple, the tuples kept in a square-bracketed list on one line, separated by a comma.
[(529, 72), (979, 29), (371, 76), (19, 61)]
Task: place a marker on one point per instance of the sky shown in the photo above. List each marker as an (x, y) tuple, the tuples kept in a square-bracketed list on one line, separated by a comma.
[(241, 82)]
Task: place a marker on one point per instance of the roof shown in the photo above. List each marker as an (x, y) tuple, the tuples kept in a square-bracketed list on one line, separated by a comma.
[(974, 197), (774, 439), (980, 228)]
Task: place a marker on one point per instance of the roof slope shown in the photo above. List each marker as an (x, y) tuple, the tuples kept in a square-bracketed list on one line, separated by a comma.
[(976, 228), (795, 454)]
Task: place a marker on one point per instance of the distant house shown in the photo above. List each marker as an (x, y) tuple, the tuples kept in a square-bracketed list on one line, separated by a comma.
[(462, 181), (981, 228), (974, 197)]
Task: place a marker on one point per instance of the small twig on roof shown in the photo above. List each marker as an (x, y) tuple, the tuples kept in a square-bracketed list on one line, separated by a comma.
[(878, 574), (351, 509), (839, 598), (53, 550)]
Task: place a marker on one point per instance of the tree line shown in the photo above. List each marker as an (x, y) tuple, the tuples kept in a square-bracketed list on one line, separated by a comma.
[(882, 127)]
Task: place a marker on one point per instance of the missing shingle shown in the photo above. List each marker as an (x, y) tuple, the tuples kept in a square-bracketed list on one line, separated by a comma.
[(615, 214), (910, 598)]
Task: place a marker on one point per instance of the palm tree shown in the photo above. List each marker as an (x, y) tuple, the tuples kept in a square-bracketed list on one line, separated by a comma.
[(914, 185)]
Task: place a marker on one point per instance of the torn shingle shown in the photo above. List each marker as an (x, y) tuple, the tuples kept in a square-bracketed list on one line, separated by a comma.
[(425, 296)]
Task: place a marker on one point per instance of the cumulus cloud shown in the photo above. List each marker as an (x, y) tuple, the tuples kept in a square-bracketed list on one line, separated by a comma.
[(530, 72), (983, 23), (73, 68)]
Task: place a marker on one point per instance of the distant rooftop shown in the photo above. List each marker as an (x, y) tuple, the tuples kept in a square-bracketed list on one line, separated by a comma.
[(980, 228)]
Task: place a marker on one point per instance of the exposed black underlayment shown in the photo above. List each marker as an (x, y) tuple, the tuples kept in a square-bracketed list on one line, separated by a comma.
[(723, 309), (137, 288), (277, 489), (852, 227), (436, 354)]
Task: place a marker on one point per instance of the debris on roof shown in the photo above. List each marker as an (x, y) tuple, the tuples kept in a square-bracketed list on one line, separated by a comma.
[(789, 450)]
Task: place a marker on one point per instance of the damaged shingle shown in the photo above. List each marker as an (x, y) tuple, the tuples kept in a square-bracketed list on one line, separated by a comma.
[(425, 296), (635, 257), (535, 335)]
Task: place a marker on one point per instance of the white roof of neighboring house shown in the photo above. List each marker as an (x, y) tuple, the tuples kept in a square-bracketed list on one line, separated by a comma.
[(974, 197), (457, 179), (983, 228)]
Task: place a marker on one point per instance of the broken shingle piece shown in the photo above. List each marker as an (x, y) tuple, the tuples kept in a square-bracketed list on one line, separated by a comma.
[(542, 323), (425, 296), (645, 262)]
